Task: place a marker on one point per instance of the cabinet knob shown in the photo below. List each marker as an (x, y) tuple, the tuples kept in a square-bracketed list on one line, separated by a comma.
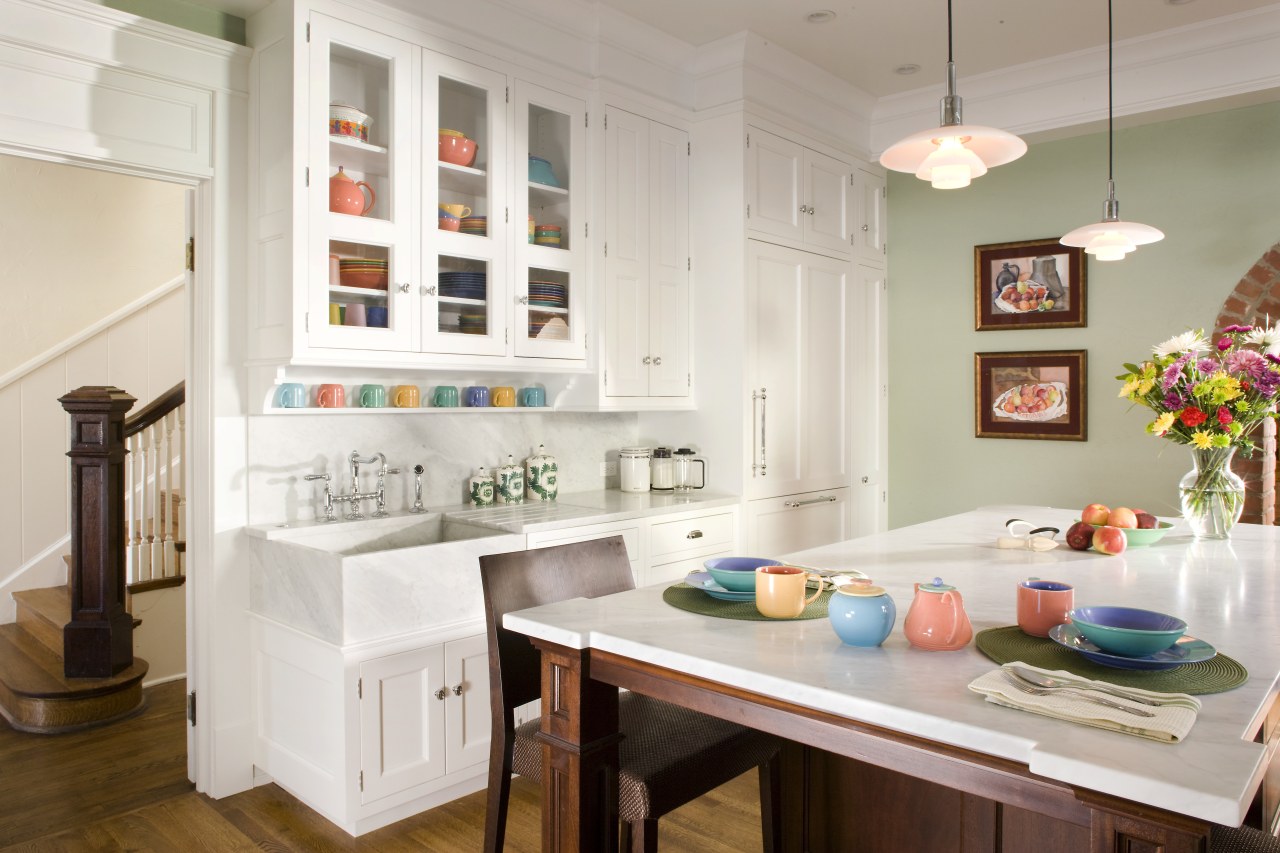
[(442, 693), (457, 690), (404, 288), (657, 360), (865, 480), (429, 291), (811, 210), (646, 360), (523, 300)]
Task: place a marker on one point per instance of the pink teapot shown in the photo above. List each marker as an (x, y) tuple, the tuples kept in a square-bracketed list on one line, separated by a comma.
[(937, 621), (346, 195)]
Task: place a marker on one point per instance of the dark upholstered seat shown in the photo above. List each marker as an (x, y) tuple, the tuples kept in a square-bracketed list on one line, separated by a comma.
[(668, 756), (1225, 839)]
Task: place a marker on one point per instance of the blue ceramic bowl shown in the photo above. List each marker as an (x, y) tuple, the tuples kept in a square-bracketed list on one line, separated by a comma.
[(737, 574), (1127, 630), (540, 172)]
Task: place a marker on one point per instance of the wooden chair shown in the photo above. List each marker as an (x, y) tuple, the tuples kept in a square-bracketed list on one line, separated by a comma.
[(668, 756), (1228, 839)]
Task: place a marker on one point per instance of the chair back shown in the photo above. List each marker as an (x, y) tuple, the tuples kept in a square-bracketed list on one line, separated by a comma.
[(524, 579)]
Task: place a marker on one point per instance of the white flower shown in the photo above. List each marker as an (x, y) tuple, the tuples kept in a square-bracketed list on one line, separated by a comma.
[(1190, 341), (1265, 337)]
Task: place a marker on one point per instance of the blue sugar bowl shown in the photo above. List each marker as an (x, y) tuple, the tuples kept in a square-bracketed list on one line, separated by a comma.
[(862, 615)]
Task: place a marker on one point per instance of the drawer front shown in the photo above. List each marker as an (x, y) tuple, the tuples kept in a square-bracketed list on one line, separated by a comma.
[(674, 571), (693, 535), (630, 537), (780, 526)]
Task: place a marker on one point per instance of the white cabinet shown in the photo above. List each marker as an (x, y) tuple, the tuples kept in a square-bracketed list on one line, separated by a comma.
[(869, 432), (646, 291), (680, 545), (800, 339), (792, 523), (869, 217), (797, 193)]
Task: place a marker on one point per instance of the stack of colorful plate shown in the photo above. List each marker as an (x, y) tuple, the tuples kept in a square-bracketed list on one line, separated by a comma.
[(478, 225), (548, 294), (553, 329), (463, 285), (363, 272), (473, 323), (547, 235)]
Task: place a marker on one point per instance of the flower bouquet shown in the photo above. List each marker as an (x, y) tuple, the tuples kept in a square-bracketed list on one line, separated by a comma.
[(1211, 397)]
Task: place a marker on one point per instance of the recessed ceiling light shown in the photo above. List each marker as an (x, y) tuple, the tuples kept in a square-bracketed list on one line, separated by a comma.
[(822, 16), (1177, 2), (908, 68)]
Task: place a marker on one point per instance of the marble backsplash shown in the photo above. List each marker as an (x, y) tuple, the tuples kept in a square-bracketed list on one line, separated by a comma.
[(283, 449)]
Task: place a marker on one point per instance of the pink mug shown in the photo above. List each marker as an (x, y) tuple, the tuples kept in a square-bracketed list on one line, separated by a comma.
[(331, 396), (1043, 604)]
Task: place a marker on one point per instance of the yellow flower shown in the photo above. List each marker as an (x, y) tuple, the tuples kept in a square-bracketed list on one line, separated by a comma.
[(1128, 388), (1163, 424), (1201, 439), (1145, 386)]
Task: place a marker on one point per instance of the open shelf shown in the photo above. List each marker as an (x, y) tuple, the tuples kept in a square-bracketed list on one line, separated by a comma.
[(463, 179), (356, 156)]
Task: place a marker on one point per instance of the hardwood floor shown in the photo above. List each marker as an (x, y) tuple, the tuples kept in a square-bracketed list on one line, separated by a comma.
[(125, 787)]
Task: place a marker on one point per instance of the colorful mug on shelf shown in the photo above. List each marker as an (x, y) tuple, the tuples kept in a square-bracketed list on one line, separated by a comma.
[(476, 396), (503, 395), (336, 313), (445, 397), (405, 396), (445, 222), (354, 315), (373, 396), (457, 211), (331, 396), (291, 395), (532, 397), (376, 315)]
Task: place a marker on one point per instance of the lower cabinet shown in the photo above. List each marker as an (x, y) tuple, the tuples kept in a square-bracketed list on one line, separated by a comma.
[(777, 526), (679, 546)]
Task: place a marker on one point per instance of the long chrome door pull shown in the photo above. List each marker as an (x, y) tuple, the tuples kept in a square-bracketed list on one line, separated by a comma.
[(760, 465), (823, 499)]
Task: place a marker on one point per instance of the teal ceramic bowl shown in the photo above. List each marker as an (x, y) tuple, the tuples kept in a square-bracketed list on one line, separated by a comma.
[(1137, 537), (737, 574), (1127, 630)]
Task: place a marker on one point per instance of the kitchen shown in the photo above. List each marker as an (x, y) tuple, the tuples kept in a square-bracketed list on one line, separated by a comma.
[(929, 248)]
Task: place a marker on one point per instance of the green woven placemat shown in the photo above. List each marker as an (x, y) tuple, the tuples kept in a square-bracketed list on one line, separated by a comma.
[(695, 600), (1215, 675)]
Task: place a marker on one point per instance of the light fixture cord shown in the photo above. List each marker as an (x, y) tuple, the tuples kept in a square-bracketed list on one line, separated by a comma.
[(950, 58), (1111, 143)]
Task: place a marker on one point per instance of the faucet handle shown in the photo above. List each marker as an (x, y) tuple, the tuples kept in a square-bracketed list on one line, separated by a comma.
[(391, 470), (324, 477)]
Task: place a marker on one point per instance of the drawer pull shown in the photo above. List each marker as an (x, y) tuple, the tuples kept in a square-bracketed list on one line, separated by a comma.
[(823, 499), (693, 534), (442, 693)]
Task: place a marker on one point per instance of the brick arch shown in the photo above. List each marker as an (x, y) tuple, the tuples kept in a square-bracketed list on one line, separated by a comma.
[(1255, 298)]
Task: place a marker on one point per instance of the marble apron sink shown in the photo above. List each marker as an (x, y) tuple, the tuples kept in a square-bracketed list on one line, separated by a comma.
[(348, 582)]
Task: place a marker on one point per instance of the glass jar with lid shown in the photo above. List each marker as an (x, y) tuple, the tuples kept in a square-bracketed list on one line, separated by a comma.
[(661, 470)]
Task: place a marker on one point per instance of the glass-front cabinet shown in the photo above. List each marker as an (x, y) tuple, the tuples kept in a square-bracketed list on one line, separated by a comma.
[(360, 259)]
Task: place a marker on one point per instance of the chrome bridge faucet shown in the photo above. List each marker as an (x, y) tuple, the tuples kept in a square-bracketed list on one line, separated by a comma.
[(353, 498)]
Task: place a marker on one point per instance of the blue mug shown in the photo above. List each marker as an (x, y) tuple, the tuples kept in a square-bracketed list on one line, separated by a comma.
[(292, 395), (376, 315), (532, 397), (476, 395)]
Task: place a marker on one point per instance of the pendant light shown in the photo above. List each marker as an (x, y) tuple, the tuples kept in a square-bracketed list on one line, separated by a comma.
[(951, 155), (1112, 238)]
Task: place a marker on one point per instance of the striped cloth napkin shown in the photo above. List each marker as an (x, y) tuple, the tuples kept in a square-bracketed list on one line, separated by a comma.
[(1172, 722)]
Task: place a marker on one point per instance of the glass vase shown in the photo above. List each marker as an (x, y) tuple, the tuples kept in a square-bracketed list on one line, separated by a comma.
[(1212, 494)]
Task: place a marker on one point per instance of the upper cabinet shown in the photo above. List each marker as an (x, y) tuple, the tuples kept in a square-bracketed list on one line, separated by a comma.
[(441, 216), (869, 217), (647, 263), (799, 194)]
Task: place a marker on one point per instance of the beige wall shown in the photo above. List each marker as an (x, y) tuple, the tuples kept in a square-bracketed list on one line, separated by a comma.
[(1209, 182), (78, 244)]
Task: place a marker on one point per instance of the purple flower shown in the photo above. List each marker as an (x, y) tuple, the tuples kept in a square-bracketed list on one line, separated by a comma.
[(1267, 384), (1225, 344), (1173, 401), (1248, 362), (1274, 359), (1173, 372), (1207, 365), (1234, 328)]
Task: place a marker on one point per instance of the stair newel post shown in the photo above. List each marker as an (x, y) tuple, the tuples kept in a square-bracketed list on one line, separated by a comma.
[(98, 641)]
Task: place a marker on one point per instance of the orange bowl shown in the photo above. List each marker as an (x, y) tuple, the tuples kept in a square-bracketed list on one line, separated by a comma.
[(457, 150), (364, 278)]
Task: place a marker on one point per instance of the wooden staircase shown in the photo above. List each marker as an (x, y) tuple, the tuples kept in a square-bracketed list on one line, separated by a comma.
[(35, 695)]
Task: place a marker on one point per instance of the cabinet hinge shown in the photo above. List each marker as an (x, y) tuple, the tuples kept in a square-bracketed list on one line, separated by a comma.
[(688, 380), (506, 214), (191, 254), (606, 249), (308, 31), (586, 119), (359, 688), (748, 140), (850, 179), (507, 96), (306, 176), (606, 379), (361, 780), (306, 321), (688, 264), (191, 707), (506, 336), (884, 192), (606, 121), (748, 211), (884, 497), (688, 148)]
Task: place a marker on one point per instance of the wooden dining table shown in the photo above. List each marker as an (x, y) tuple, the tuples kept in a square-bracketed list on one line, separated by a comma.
[(887, 747)]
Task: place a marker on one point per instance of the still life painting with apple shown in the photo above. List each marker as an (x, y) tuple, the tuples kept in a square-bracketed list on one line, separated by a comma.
[(1031, 284), (1030, 395)]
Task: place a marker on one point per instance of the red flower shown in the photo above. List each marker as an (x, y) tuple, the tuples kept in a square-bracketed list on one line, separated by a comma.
[(1192, 417), (1224, 416)]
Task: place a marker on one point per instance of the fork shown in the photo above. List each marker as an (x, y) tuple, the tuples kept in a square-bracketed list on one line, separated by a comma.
[(1042, 691)]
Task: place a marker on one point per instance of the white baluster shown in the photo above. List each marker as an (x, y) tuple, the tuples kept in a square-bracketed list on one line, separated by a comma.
[(135, 489), (144, 527), (157, 535), (169, 568), (182, 485)]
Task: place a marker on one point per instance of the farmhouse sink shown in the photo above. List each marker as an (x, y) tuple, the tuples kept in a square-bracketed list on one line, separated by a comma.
[(348, 582)]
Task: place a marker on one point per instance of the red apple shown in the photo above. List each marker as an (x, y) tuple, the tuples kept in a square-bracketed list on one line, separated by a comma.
[(1146, 521), (1109, 540), (1095, 514), (1122, 516), (1080, 535)]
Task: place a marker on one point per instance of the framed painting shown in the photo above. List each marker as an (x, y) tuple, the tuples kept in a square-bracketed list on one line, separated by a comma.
[(1032, 284), (1031, 395)]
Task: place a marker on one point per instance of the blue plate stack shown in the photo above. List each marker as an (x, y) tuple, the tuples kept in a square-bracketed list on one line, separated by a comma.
[(463, 285), (548, 294)]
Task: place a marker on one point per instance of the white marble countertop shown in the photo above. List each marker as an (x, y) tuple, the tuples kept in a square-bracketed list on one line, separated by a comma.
[(1227, 591), (568, 510)]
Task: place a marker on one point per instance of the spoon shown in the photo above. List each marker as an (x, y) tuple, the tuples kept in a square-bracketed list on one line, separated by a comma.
[(1033, 677)]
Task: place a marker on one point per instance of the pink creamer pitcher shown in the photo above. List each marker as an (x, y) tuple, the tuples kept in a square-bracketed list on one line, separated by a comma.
[(937, 621)]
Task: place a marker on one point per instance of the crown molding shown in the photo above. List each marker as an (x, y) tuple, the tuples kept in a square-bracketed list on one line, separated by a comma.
[(1221, 59)]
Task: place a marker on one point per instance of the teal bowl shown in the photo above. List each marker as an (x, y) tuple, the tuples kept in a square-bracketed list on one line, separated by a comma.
[(1137, 537), (737, 574), (1128, 631)]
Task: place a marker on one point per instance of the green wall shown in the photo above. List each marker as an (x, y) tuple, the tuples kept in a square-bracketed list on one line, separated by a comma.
[(188, 16), (1211, 183)]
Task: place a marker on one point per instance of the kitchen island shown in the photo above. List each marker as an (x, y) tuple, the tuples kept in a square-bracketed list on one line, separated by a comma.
[(893, 733)]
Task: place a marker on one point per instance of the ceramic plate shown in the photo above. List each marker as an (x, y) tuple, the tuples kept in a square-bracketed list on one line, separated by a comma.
[(1187, 650), (703, 581)]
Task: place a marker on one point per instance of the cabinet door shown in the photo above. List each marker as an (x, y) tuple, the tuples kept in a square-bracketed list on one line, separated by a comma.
[(360, 257), (869, 216), (798, 314), (465, 282), (402, 721), (551, 291), (468, 723), (780, 526), (774, 184), (626, 290), (828, 188), (670, 372), (870, 429)]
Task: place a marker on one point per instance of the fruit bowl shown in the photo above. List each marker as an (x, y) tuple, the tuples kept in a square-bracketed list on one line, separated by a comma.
[(737, 574), (1008, 404), (1035, 297), (457, 150), (1137, 537), (1127, 630)]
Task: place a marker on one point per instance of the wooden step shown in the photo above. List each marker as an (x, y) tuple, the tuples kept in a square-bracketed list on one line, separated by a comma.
[(43, 613), (36, 697)]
